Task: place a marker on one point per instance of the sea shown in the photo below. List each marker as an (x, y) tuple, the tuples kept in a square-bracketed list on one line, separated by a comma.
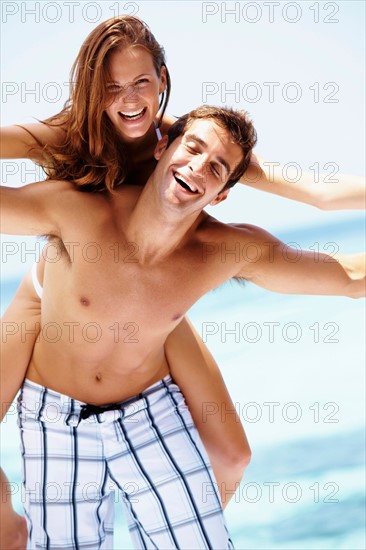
[(295, 368)]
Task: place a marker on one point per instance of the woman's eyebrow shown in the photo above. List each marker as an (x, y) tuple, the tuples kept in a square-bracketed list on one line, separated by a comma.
[(135, 78)]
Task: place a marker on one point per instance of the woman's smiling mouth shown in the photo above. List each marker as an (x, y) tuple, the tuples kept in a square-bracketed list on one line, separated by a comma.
[(135, 115)]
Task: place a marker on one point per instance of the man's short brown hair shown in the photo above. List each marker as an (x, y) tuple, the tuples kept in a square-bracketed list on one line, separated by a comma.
[(238, 125)]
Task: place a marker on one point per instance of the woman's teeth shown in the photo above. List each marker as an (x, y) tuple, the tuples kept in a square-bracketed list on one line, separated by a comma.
[(133, 116)]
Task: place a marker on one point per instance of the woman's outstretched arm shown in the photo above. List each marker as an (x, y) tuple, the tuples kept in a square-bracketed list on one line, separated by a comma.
[(28, 140), (198, 376), (336, 192)]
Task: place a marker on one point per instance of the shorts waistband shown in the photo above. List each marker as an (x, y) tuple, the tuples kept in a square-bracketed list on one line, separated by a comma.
[(45, 403)]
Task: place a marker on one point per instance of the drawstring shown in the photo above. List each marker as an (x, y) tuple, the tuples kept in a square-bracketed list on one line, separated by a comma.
[(88, 410)]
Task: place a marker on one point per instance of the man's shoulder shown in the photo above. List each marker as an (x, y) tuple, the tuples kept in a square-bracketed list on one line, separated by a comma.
[(49, 191), (220, 231), (69, 198), (67, 188), (58, 186)]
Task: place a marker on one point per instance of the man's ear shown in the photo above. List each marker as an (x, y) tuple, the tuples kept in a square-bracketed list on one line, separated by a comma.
[(220, 197), (160, 147)]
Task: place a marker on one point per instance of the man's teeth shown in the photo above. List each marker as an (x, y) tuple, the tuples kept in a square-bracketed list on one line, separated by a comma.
[(133, 116), (185, 185)]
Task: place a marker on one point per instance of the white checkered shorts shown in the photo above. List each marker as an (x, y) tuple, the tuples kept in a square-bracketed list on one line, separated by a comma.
[(148, 452)]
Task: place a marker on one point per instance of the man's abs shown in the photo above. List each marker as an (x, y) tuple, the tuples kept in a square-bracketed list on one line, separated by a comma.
[(92, 381)]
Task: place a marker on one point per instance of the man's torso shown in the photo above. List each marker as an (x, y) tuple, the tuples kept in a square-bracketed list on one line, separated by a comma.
[(106, 314)]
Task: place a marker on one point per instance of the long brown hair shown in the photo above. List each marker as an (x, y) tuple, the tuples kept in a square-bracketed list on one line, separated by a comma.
[(92, 155)]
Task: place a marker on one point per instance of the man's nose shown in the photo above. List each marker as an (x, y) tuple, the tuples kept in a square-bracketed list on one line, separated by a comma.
[(197, 165)]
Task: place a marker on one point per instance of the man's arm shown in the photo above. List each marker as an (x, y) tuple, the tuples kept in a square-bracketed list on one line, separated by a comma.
[(283, 269), (35, 209), (31, 210), (347, 192)]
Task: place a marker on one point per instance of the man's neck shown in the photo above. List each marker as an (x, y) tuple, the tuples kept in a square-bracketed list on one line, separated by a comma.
[(156, 230)]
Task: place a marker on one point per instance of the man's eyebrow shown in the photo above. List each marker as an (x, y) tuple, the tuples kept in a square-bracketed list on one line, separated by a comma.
[(204, 144)]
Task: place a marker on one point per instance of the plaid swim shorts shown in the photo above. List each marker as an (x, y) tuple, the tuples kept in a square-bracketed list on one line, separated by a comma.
[(148, 451)]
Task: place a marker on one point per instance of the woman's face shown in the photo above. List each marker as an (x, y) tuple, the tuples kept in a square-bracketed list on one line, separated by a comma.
[(133, 91)]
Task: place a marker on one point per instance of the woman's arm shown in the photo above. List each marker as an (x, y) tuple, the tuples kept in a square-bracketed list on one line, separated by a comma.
[(20, 326), (346, 192), (13, 532), (198, 376), (28, 140)]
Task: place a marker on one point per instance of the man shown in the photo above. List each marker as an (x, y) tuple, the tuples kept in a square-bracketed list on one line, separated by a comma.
[(128, 266)]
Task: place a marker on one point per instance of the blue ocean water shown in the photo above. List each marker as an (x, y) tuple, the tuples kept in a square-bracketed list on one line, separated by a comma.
[(294, 366)]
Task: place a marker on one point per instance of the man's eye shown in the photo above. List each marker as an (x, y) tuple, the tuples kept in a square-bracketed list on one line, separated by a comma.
[(191, 148), (215, 170)]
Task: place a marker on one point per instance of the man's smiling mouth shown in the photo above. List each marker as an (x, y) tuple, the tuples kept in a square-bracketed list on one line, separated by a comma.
[(188, 187)]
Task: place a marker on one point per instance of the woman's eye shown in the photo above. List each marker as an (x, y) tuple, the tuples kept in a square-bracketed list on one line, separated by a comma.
[(142, 82), (113, 89)]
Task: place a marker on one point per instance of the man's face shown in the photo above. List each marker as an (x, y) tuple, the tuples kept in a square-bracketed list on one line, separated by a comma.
[(193, 170)]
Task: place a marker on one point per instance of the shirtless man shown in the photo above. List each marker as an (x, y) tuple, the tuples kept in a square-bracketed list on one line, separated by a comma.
[(132, 264)]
